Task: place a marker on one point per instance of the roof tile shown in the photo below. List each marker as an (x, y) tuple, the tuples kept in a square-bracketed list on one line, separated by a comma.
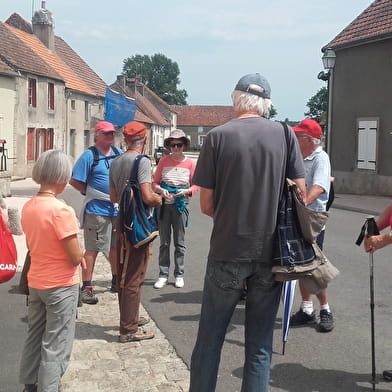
[(374, 23), (196, 115)]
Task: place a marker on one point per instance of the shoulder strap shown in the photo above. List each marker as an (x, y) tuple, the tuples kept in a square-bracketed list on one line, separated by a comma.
[(286, 135), (135, 167), (116, 150), (95, 153)]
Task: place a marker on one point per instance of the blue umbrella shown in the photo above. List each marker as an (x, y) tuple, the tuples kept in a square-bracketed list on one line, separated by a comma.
[(287, 298)]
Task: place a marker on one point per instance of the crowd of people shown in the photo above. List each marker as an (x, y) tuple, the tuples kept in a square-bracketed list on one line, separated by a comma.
[(248, 151)]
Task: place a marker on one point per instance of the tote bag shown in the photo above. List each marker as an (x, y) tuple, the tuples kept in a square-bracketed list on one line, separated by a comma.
[(8, 254)]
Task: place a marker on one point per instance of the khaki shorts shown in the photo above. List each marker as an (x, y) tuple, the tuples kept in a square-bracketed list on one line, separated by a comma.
[(99, 233)]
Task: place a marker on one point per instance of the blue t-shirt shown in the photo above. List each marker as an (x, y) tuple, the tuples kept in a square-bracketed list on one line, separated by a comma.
[(97, 178)]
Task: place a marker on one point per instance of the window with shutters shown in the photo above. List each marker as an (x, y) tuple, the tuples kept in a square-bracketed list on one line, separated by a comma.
[(32, 92), (367, 144), (38, 141), (51, 96), (30, 144)]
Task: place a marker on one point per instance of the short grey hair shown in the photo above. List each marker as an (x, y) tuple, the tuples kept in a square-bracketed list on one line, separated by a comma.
[(52, 167), (245, 102), (316, 141)]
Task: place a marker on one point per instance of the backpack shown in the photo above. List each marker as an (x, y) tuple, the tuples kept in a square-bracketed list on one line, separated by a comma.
[(8, 255), (331, 196), (95, 153), (137, 222)]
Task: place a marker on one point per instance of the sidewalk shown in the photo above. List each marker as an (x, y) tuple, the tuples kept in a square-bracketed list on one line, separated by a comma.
[(100, 363)]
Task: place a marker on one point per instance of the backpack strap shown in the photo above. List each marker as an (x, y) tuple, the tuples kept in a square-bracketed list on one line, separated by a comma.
[(135, 167), (96, 157)]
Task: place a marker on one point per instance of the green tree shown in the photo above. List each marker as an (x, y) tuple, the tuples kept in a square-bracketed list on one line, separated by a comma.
[(158, 73), (318, 106), (273, 112)]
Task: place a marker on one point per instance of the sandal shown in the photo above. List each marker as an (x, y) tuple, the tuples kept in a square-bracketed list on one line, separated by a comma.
[(143, 321), (137, 336)]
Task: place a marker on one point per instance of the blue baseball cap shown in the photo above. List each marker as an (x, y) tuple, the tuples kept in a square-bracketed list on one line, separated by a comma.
[(254, 84)]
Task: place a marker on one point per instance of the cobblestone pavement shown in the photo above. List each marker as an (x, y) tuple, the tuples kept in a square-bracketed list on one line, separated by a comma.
[(100, 363)]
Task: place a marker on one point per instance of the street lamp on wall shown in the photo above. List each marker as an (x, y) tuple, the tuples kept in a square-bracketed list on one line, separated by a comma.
[(328, 59)]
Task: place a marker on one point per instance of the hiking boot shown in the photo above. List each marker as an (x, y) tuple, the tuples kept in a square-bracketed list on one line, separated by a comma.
[(387, 374), (179, 283), (88, 296), (30, 388), (161, 282), (326, 323), (302, 318), (137, 336)]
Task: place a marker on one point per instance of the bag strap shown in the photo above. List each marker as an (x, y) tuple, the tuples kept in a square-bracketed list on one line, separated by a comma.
[(135, 167), (286, 136)]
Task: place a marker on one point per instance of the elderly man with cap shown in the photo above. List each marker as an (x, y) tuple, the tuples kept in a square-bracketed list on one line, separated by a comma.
[(90, 176), (318, 180), (173, 180), (241, 172), (131, 272)]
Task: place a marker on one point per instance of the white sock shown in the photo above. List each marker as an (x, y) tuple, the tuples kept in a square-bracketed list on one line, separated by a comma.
[(325, 307), (307, 307)]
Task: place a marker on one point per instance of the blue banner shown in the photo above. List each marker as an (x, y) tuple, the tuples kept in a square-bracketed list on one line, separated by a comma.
[(119, 109)]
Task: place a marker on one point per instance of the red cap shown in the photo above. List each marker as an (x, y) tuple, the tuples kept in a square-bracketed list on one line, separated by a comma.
[(310, 127), (104, 126), (136, 129)]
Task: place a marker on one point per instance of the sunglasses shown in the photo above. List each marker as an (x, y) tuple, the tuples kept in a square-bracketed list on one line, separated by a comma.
[(179, 145)]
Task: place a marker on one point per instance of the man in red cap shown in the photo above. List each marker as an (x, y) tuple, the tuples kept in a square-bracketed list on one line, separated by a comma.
[(131, 272), (318, 180), (90, 176)]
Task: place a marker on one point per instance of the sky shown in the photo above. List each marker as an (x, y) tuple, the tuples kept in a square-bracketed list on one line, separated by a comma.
[(214, 42)]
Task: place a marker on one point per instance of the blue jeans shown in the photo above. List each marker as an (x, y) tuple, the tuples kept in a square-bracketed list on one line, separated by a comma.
[(223, 285)]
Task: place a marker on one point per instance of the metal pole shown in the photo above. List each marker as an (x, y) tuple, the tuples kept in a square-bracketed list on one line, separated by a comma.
[(371, 274), (329, 110)]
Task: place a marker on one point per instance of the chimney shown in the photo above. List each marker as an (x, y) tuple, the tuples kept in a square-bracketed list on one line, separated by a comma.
[(43, 26)]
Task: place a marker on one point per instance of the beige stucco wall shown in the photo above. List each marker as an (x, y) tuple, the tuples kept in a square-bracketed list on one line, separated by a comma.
[(7, 115)]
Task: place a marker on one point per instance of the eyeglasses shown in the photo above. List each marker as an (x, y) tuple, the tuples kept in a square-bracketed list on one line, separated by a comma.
[(106, 133), (179, 145)]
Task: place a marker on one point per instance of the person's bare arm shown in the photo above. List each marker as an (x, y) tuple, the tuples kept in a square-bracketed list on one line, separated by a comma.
[(74, 251), (383, 219), (207, 201), (150, 198), (78, 185), (113, 195), (300, 182), (313, 193), (377, 242)]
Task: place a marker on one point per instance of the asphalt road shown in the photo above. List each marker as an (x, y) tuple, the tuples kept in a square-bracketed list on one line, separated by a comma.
[(339, 361)]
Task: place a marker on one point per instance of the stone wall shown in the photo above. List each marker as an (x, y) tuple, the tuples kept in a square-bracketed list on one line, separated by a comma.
[(5, 183)]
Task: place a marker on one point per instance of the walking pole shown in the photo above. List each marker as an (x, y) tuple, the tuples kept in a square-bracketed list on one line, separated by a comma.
[(369, 229), (371, 268)]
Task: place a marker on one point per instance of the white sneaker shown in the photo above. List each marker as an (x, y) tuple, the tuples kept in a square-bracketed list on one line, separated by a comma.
[(161, 282), (179, 283)]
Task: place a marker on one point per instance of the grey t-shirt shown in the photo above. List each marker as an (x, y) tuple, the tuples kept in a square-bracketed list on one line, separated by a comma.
[(244, 162), (120, 171)]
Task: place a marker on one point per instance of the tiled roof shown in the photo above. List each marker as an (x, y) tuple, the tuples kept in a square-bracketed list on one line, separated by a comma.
[(71, 80), (196, 115), (25, 52), (375, 23), (15, 52), (6, 69), (79, 67)]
